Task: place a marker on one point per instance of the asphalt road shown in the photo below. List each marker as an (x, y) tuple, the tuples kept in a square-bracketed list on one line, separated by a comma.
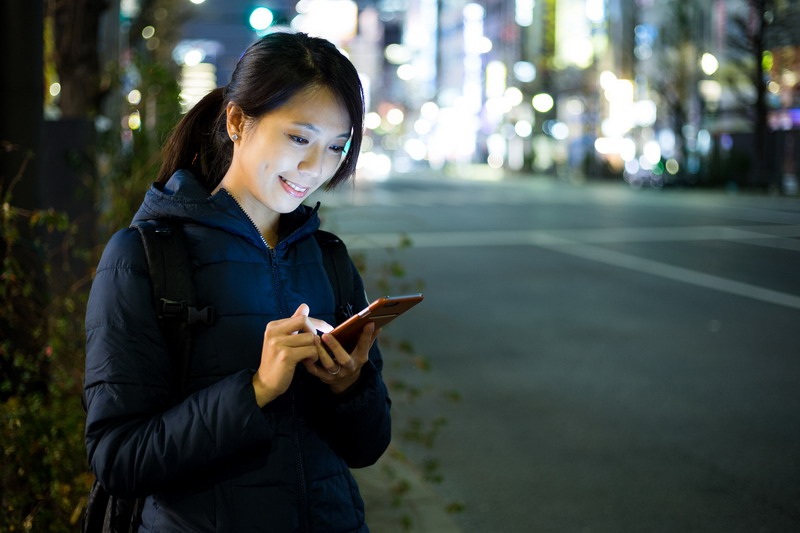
[(627, 360)]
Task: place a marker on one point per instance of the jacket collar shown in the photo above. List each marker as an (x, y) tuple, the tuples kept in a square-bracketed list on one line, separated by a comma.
[(183, 197)]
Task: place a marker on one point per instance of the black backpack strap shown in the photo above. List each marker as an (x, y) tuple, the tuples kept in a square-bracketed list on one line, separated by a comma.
[(174, 298), (340, 272), (173, 290)]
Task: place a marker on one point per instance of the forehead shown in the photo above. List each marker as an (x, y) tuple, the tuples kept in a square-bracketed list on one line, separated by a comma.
[(318, 108)]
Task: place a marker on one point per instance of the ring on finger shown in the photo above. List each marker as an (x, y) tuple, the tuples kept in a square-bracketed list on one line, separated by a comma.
[(336, 371)]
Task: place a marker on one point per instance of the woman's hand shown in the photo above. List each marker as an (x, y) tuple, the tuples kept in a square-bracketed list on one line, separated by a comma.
[(287, 342), (343, 370)]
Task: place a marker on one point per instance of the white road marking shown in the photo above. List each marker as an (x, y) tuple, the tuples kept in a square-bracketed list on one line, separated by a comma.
[(581, 243)]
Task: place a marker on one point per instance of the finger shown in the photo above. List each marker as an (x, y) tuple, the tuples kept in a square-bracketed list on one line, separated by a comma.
[(287, 326), (334, 348), (340, 355), (302, 310), (325, 357), (312, 325), (296, 341), (367, 337), (320, 325)]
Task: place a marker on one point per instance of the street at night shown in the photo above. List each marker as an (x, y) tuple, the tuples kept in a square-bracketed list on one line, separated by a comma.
[(628, 360), (600, 200)]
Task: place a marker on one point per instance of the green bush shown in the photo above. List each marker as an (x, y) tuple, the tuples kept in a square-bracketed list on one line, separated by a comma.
[(43, 471), (44, 285)]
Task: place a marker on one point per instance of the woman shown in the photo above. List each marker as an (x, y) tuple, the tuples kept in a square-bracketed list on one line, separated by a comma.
[(272, 423)]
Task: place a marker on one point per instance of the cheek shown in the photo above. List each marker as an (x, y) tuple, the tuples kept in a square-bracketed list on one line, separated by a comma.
[(332, 164)]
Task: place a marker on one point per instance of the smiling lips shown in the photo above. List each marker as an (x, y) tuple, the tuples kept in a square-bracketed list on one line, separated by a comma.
[(294, 189)]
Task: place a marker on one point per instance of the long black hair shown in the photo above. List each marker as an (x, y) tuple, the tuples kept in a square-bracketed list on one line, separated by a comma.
[(270, 72)]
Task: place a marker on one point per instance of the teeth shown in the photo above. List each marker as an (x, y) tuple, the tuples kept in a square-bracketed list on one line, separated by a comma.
[(294, 186)]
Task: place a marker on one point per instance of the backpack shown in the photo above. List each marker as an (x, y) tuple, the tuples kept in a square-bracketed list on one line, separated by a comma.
[(173, 293)]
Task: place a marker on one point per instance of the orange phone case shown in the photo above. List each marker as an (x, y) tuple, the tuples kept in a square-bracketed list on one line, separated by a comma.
[(381, 312)]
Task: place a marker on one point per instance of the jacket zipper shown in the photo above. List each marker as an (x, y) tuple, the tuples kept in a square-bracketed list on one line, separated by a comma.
[(248, 218), (301, 478)]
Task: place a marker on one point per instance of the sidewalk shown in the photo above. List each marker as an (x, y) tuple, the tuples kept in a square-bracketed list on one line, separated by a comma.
[(421, 506)]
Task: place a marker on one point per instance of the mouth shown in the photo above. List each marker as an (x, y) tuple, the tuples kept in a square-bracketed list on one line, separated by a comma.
[(294, 189)]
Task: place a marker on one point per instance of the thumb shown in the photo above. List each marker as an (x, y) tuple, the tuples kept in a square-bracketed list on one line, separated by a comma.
[(302, 310)]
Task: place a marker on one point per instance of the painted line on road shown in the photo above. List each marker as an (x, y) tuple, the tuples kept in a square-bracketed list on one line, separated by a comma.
[(556, 241), (664, 270)]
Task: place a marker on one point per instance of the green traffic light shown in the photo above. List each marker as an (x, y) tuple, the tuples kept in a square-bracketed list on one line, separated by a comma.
[(261, 18)]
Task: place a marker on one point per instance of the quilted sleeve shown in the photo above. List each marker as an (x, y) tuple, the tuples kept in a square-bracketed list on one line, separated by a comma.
[(139, 440)]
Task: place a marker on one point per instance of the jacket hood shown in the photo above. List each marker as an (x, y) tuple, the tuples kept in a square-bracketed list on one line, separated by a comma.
[(184, 198)]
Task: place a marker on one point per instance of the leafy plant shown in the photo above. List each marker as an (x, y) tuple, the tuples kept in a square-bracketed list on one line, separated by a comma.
[(418, 433), (44, 283), (43, 471)]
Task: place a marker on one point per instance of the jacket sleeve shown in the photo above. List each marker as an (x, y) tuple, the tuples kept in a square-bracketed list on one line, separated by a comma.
[(360, 425), (139, 441)]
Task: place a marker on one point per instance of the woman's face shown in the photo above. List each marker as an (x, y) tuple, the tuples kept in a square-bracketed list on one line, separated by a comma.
[(285, 155)]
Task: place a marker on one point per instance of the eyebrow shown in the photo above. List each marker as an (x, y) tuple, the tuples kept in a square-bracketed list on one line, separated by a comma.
[(315, 129)]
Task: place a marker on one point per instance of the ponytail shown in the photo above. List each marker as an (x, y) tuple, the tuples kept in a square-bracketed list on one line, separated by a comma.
[(199, 143)]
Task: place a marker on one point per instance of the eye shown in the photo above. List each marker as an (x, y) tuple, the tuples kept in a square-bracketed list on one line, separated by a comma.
[(341, 149), (297, 139)]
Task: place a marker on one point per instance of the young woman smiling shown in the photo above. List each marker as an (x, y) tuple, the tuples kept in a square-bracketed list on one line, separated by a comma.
[(272, 422)]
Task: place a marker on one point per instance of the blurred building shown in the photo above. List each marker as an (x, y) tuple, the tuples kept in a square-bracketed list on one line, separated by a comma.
[(650, 90)]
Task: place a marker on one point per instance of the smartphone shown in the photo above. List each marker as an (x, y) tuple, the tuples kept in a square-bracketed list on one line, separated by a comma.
[(381, 312)]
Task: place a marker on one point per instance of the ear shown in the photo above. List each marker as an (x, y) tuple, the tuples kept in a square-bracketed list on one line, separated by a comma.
[(235, 120)]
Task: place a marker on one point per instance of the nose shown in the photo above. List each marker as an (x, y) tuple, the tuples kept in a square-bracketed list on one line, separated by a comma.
[(311, 165)]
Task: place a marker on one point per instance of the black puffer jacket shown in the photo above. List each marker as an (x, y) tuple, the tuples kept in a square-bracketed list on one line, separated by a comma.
[(215, 461)]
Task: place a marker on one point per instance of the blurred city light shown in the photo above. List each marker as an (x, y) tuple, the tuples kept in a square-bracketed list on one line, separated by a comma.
[(193, 57), (429, 111), (536, 85), (575, 47), (335, 20), (619, 93), (416, 149), (523, 128), (372, 120), (524, 71), (134, 120), (395, 116), (261, 18), (523, 12), (652, 152), (397, 54), (406, 72), (196, 81), (374, 166), (558, 130), (672, 166), (134, 97), (542, 102), (595, 11), (496, 75), (129, 9), (513, 96), (709, 64)]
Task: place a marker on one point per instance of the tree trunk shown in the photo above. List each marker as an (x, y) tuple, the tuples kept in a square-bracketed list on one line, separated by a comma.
[(764, 168), (76, 28)]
